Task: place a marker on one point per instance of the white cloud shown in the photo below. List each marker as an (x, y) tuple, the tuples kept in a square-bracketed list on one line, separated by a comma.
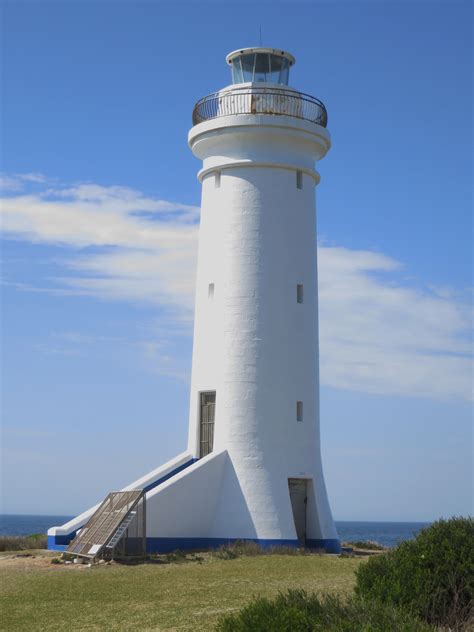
[(147, 247), (379, 334), (163, 275), (18, 181)]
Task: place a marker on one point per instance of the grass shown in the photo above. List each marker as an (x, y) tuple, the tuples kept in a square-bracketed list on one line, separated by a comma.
[(167, 594)]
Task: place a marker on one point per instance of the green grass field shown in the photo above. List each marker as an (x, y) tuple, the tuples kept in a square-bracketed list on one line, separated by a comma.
[(187, 595)]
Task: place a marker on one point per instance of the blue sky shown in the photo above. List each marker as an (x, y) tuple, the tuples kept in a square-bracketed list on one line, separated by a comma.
[(100, 226)]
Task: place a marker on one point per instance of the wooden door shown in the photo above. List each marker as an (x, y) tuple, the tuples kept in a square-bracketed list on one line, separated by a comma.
[(208, 408)]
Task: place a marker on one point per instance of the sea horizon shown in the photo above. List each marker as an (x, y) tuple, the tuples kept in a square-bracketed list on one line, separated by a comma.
[(70, 516), (385, 532)]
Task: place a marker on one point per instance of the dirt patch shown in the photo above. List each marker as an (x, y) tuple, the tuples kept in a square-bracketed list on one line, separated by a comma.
[(35, 559)]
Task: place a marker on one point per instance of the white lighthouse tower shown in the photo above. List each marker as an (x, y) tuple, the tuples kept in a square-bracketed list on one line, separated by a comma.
[(255, 382), (253, 467)]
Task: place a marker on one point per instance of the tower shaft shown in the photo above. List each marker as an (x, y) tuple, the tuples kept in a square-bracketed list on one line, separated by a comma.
[(256, 320)]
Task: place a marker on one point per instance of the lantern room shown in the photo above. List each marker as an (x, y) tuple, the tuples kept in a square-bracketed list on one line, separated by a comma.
[(260, 65)]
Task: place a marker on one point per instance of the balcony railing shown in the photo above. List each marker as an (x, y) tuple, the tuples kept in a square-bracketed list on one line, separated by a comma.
[(250, 100)]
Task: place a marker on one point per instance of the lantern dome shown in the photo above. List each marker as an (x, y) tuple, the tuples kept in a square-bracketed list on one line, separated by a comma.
[(265, 65)]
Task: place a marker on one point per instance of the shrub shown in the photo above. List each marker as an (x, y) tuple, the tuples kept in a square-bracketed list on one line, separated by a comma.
[(432, 575), (292, 550), (225, 553), (240, 548), (175, 556), (23, 543), (296, 611), (248, 548), (367, 546)]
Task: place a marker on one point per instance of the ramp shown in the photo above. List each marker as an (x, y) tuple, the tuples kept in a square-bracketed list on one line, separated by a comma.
[(109, 523), (60, 537)]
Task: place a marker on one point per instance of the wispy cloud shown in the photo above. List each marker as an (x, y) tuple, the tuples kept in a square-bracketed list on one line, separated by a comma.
[(17, 182), (155, 345), (122, 244), (381, 336), (379, 333)]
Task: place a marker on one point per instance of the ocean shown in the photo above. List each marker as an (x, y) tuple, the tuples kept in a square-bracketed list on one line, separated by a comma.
[(385, 533)]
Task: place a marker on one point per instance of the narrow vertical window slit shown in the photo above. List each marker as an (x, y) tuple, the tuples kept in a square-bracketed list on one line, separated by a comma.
[(299, 293), (299, 179), (299, 411)]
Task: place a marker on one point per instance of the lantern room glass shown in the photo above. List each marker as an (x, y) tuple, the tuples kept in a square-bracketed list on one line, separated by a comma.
[(260, 68)]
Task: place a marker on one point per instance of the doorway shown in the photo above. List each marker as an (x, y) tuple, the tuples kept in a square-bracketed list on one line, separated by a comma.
[(207, 414), (298, 497)]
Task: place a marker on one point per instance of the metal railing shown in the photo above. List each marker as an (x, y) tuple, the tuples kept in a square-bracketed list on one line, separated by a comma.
[(250, 100)]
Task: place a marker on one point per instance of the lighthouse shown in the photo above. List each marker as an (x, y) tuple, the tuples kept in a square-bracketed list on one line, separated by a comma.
[(252, 469), (255, 383)]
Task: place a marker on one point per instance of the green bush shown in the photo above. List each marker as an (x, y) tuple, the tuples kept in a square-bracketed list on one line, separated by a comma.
[(296, 611), (175, 556), (366, 545), (433, 575)]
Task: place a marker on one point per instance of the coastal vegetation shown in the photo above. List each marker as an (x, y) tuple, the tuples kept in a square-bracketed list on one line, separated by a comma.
[(432, 575), (365, 545), (23, 542), (421, 585), (296, 611)]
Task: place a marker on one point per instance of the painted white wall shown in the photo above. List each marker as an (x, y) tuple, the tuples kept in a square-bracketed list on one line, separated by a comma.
[(253, 343), (185, 506)]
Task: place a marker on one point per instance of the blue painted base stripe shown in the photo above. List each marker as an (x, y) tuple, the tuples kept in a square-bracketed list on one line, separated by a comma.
[(329, 545), (53, 544), (166, 545), (60, 542), (166, 477)]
